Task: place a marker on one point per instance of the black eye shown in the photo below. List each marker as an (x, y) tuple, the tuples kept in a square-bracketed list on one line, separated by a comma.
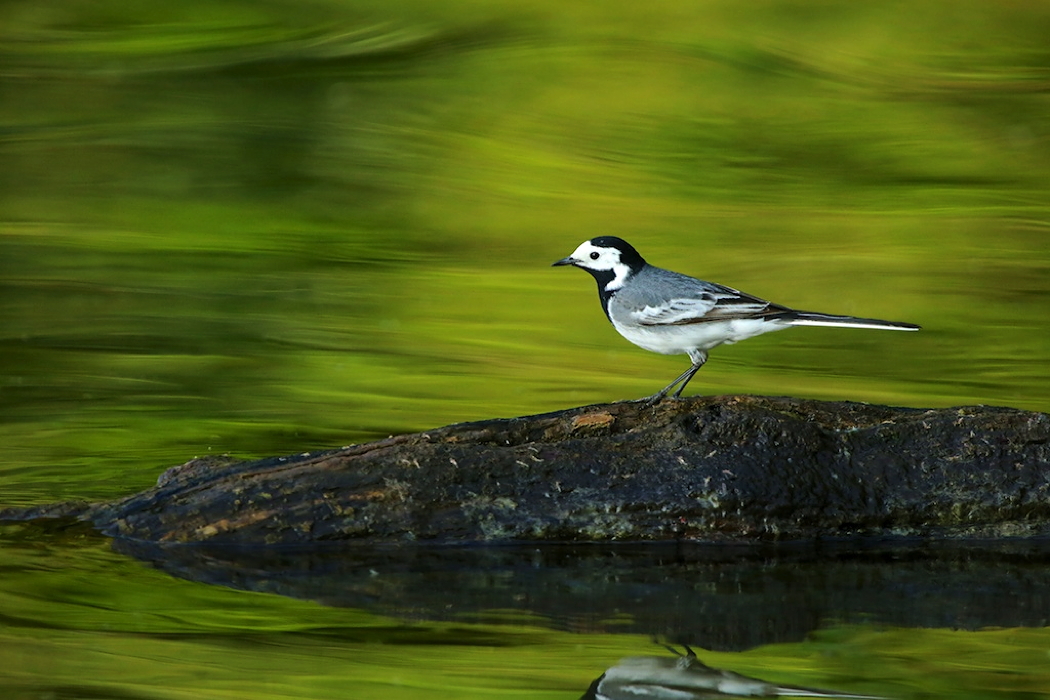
[(594, 256)]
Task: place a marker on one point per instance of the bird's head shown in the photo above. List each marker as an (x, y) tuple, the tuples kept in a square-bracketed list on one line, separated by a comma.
[(610, 259)]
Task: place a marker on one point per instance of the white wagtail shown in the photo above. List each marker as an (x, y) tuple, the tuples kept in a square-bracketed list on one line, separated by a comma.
[(674, 314), (687, 678)]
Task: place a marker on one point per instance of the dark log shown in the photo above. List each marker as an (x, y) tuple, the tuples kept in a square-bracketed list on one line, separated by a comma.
[(731, 468)]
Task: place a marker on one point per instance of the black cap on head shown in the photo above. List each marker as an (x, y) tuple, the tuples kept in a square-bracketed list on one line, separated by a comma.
[(628, 255)]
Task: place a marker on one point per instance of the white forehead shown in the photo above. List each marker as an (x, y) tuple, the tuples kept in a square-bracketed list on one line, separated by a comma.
[(583, 252)]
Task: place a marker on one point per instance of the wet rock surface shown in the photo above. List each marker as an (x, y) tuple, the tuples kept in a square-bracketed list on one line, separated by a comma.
[(721, 469)]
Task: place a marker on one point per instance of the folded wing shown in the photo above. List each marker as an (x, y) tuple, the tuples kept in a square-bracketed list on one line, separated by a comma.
[(713, 304)]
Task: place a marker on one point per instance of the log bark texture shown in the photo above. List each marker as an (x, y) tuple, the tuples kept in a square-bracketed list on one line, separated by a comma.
[(731, 468)]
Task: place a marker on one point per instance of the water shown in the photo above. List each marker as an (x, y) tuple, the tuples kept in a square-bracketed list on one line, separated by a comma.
[(264, 229), (81, 620)]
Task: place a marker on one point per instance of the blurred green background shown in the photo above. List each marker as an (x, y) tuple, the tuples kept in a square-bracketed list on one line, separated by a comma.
[(266, 227)]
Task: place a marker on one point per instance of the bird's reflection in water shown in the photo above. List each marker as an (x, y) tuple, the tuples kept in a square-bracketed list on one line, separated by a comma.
[(685, 677)]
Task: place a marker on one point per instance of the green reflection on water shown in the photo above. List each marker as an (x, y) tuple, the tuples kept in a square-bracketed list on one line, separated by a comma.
[(81, 621)]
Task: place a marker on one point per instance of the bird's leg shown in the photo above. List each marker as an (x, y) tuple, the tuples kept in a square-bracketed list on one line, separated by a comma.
[(699, 357), (682, 378), (688, 375)]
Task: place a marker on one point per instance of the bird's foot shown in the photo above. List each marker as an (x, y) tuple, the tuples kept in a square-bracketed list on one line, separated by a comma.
[(654, 399)]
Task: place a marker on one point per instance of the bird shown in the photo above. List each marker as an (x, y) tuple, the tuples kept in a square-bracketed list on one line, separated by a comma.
[(688, 678), (673, 314)]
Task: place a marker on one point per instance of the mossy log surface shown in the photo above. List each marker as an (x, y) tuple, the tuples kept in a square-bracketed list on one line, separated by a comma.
[(729, 468)]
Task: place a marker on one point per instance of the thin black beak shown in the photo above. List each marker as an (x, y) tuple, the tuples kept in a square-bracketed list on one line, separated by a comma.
[(564, 261)]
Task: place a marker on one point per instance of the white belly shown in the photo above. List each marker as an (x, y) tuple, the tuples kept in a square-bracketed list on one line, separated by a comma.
[(679, 340)]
